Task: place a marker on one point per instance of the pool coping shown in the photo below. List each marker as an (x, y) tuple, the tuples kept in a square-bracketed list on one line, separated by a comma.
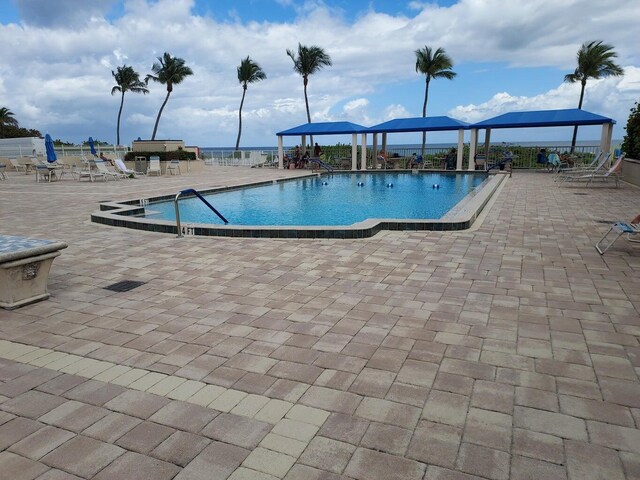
[(461, 217)]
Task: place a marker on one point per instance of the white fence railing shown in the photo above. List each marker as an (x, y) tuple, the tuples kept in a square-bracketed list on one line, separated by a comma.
[(248, 158)]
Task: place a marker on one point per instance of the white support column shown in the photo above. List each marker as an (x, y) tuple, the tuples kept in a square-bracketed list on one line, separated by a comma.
[(303, 145), (605, 139), (354, 151), (374, 154), (487, 142), (280, 153), (460, 150), (363, 161), (473, 143), (384, 142)]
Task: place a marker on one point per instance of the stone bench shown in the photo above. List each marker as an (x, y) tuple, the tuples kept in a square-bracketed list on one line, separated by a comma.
[(24, 269)]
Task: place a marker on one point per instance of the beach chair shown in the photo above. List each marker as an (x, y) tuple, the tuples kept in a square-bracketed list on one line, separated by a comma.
[(17, 165), (120, 165), (480, 161), (43, 173), (596, 165), (101, 166), (618, 230), (612, 173), (173, 168), (154, 166), (3, 167)]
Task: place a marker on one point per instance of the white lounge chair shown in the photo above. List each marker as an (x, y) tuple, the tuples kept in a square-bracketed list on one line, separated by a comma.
[(595, 166), (101, 166), (90, 174), (43, 173), (19, 167), (619, 229), (173, 168), (3, 167), (120, 165), (154, 166), (612, 173)]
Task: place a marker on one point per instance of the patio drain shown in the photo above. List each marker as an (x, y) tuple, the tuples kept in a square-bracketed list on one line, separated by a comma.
[(124, 286), (581, 193)]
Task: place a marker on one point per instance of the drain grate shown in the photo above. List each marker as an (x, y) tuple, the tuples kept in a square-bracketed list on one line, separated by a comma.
[(581, 193), (608, 222), (124, 286)]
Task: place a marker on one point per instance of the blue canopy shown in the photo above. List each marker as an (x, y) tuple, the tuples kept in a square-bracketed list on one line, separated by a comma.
[(324, 128), (48, 145), (92, 146), (544, 118), (419, 124)]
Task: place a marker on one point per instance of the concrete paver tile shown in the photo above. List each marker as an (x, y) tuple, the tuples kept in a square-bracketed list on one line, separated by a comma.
[(296, 430), (82, 456), (524, 468), (137, 404), (273, 411), (590, 461), (16, 429), (142, 467), (218, 460), (367, 464), (552, 423), (180, 448), (184, 416), (16, 467), (41, 442), (538, 445), (278, 443), (241, 431), (228, 400), (144, 437), (243, 473), (268, 461), (435, 443), (111, 427), (482, 461)]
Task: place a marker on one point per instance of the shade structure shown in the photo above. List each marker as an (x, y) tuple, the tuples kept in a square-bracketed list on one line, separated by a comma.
[(544, 118), (92, 146), (419, 124), (48, 145), (323, 128)]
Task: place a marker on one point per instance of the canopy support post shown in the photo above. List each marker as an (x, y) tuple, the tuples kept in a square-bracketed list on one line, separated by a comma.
[(473, 144), (280, 153), (375, 151), (354, 151), (459, 159), (605, 139), (363, 161)]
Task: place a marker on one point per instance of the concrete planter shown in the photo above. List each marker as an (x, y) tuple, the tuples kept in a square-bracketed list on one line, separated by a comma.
[(24, 269), (631, 171)]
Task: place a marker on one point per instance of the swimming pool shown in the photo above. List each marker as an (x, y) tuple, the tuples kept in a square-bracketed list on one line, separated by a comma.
[(338, 199), (346, 209)]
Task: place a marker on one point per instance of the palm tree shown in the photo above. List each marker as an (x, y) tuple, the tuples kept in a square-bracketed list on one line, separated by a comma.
[(168, 71), (248, 72), (595, 60), (308, 61), (433, 65), (6, 118), (128, 80)]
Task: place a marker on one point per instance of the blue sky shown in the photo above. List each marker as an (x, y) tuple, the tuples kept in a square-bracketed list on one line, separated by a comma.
[(55, 72)]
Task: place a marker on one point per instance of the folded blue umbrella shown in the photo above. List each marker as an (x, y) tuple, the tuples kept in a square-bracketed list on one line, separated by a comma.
[(92, 147), (51, 153)]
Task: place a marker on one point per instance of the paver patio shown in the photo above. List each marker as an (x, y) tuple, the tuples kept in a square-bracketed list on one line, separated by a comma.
[(510, 350)]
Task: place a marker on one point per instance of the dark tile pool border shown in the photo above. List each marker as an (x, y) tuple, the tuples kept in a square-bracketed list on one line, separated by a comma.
[(129, 213)]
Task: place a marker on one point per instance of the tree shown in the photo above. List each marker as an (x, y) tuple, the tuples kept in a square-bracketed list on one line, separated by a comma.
[(433, 65), (6, 119), (168, 71), (631, 142), (248, 72), (308, 61), (595, 60), (127, 80)]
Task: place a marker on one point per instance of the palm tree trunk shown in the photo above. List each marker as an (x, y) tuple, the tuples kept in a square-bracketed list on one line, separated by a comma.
[(155, 128), (244, 91), (119, 114), (306, 102), (575, 129), (424, 114)]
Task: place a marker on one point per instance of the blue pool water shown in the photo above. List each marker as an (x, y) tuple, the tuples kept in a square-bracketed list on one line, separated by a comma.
[(340, 202)]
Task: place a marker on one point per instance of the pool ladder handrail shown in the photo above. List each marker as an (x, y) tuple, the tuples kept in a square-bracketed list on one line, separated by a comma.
[(197, 194), (328, 168)]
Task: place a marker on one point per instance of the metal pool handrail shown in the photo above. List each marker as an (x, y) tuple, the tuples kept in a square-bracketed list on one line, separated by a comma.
[(193, 191)]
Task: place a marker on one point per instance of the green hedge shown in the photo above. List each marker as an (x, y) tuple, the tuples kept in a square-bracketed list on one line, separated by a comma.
[(164, 156)]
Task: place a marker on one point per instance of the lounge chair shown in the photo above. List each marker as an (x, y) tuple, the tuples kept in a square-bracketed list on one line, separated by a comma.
[(43, 173), (596, 165), (19, 167), (90, 174), (174, 167), (3, 167), (619, 229), (612, 173), (154, 166), (120, 165), (480, 161), (101, 166)]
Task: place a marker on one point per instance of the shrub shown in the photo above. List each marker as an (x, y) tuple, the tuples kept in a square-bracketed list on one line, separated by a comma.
[(164, 156), (631, 143)]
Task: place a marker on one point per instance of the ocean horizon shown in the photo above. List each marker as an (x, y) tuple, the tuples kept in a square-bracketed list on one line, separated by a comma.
[(391, 146)]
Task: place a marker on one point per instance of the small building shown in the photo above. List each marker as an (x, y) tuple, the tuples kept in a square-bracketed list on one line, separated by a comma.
[(24, 146)]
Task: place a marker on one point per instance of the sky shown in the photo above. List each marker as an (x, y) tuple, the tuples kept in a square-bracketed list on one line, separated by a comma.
[(58, 56)]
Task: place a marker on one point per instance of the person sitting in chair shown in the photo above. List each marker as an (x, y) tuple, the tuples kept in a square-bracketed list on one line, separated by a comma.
[(105, 159), (382, 158), (450, 160)]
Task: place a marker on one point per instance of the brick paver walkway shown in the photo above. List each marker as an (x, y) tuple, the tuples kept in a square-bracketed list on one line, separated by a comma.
[(507, 351)]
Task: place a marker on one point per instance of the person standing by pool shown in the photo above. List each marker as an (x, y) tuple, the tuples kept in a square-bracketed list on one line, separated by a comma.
[(317, 151)]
